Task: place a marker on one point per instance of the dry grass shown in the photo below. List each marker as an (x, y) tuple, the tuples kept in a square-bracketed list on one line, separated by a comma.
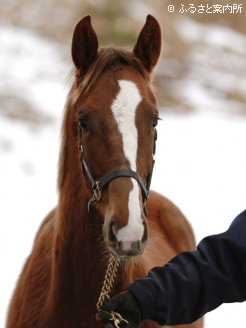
[(18, 109)]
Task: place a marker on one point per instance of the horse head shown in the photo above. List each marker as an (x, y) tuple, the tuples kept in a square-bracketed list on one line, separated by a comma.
[(117, 114)]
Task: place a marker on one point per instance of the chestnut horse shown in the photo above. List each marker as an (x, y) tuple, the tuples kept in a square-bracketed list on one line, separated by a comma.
[(105, 166)]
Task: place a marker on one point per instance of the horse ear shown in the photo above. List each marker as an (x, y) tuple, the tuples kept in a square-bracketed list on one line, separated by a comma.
[(84, 45), (148, 46)]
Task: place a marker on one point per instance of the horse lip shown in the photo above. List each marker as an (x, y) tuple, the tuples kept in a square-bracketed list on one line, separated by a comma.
[(117, 250)]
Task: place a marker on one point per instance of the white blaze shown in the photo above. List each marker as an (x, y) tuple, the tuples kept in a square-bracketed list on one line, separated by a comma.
[(124, 111)]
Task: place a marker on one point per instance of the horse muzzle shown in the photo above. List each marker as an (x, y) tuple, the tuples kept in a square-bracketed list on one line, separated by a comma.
[(125, 248)]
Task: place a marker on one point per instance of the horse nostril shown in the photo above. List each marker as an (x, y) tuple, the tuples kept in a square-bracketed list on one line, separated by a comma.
[(145, 234), (137, 247), (112, 233)]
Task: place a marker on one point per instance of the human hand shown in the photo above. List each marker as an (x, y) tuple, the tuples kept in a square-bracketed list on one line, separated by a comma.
[(126, 305)]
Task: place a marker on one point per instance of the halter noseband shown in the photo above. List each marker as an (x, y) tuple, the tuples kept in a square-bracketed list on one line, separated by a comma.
[(98, 185)]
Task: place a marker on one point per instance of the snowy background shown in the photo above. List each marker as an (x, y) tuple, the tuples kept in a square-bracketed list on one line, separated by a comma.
[(200, 160)]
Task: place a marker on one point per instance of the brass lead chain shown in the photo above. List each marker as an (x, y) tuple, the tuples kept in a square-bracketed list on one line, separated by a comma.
[(108, 281), (106, 289)]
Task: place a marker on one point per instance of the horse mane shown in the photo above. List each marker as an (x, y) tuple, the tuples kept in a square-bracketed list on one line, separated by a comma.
[(108, 58)]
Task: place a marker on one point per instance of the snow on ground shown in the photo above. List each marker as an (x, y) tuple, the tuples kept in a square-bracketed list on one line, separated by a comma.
[(200, 163)]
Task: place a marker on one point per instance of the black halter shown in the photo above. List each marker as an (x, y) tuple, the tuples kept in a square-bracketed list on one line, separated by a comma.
[(98, 185)]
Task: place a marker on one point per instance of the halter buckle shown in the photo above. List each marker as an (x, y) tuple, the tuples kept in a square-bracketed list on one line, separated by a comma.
[(97, 191)]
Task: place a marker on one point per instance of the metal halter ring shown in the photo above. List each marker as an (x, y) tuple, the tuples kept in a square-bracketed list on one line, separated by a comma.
[(97, 191)]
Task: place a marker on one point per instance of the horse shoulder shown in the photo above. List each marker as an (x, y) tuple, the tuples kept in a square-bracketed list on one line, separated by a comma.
[(170, 222), (33, 282)]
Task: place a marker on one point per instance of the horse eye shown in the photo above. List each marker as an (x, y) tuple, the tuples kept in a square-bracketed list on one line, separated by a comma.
[(155, 121), (83, 123)]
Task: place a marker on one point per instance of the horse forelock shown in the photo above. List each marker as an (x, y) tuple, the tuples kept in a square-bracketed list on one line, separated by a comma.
[(108, 58)]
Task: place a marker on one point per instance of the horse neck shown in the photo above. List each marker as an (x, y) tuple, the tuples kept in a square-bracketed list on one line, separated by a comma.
[(80, 255)]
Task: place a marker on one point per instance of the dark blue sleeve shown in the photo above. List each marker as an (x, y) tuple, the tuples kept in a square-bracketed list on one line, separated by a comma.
[(196, 282)]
